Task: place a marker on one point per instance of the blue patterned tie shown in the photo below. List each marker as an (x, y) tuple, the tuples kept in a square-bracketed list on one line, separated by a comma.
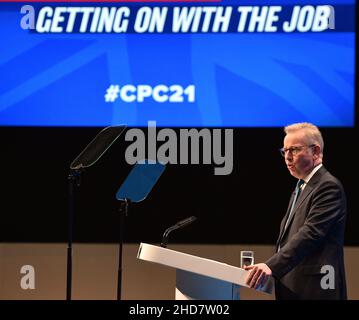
[(296, 196)]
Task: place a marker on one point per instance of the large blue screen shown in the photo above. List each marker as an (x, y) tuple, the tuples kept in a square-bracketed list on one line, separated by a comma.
[(189, 63)]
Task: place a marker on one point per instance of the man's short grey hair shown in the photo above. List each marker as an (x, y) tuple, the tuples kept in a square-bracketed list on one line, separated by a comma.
[(312, 133)]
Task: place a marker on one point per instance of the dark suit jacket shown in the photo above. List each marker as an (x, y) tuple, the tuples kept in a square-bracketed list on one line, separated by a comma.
[(313, 238)]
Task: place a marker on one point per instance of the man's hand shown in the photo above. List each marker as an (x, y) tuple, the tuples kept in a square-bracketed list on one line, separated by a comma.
[(258, 276)]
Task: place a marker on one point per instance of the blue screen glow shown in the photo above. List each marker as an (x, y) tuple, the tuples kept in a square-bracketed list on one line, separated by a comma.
[(252, 72)]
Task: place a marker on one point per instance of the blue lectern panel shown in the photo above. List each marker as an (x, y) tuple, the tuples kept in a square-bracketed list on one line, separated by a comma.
[(200, 287)]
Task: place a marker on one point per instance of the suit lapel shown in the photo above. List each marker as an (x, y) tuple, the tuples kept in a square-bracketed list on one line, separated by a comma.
[(303, 195), (282, 224)]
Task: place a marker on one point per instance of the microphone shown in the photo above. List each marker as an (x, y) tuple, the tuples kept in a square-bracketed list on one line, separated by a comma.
[(178, 225)]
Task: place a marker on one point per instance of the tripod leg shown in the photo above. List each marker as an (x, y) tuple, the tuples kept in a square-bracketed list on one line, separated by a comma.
[(123, 214), (72, 182), (119, 274)]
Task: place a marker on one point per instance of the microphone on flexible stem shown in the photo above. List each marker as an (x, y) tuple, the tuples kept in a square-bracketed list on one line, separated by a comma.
[(178, 225)]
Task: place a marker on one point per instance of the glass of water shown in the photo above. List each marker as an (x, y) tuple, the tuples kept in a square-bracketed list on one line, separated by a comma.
[(247, 258)]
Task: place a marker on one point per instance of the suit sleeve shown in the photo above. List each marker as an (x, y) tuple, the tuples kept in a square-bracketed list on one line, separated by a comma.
[(327, 207)]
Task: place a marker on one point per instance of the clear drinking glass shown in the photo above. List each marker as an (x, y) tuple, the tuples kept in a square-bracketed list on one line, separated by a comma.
[(247, 258)]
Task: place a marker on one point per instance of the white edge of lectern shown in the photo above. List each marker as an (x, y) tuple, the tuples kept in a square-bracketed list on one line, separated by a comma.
[(202, 266)]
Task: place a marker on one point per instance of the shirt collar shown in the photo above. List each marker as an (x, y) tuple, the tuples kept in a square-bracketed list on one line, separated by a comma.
[(311, 174)]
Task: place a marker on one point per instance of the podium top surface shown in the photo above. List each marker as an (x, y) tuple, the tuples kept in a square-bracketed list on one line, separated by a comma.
[(195, 264)]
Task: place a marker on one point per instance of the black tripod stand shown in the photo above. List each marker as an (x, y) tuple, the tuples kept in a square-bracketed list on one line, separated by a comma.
[(135, 188), (88, 157)]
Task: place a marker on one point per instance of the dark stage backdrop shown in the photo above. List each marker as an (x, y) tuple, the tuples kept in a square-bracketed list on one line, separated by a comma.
[(244, 207)]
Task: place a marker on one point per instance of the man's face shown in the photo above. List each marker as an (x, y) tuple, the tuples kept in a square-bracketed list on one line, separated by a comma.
[(300, 158)]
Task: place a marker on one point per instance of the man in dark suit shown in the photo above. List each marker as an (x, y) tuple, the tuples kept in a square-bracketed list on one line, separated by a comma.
[(309, 258)]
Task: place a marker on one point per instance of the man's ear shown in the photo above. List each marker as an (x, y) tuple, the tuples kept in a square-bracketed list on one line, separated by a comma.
[(316, 152)]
